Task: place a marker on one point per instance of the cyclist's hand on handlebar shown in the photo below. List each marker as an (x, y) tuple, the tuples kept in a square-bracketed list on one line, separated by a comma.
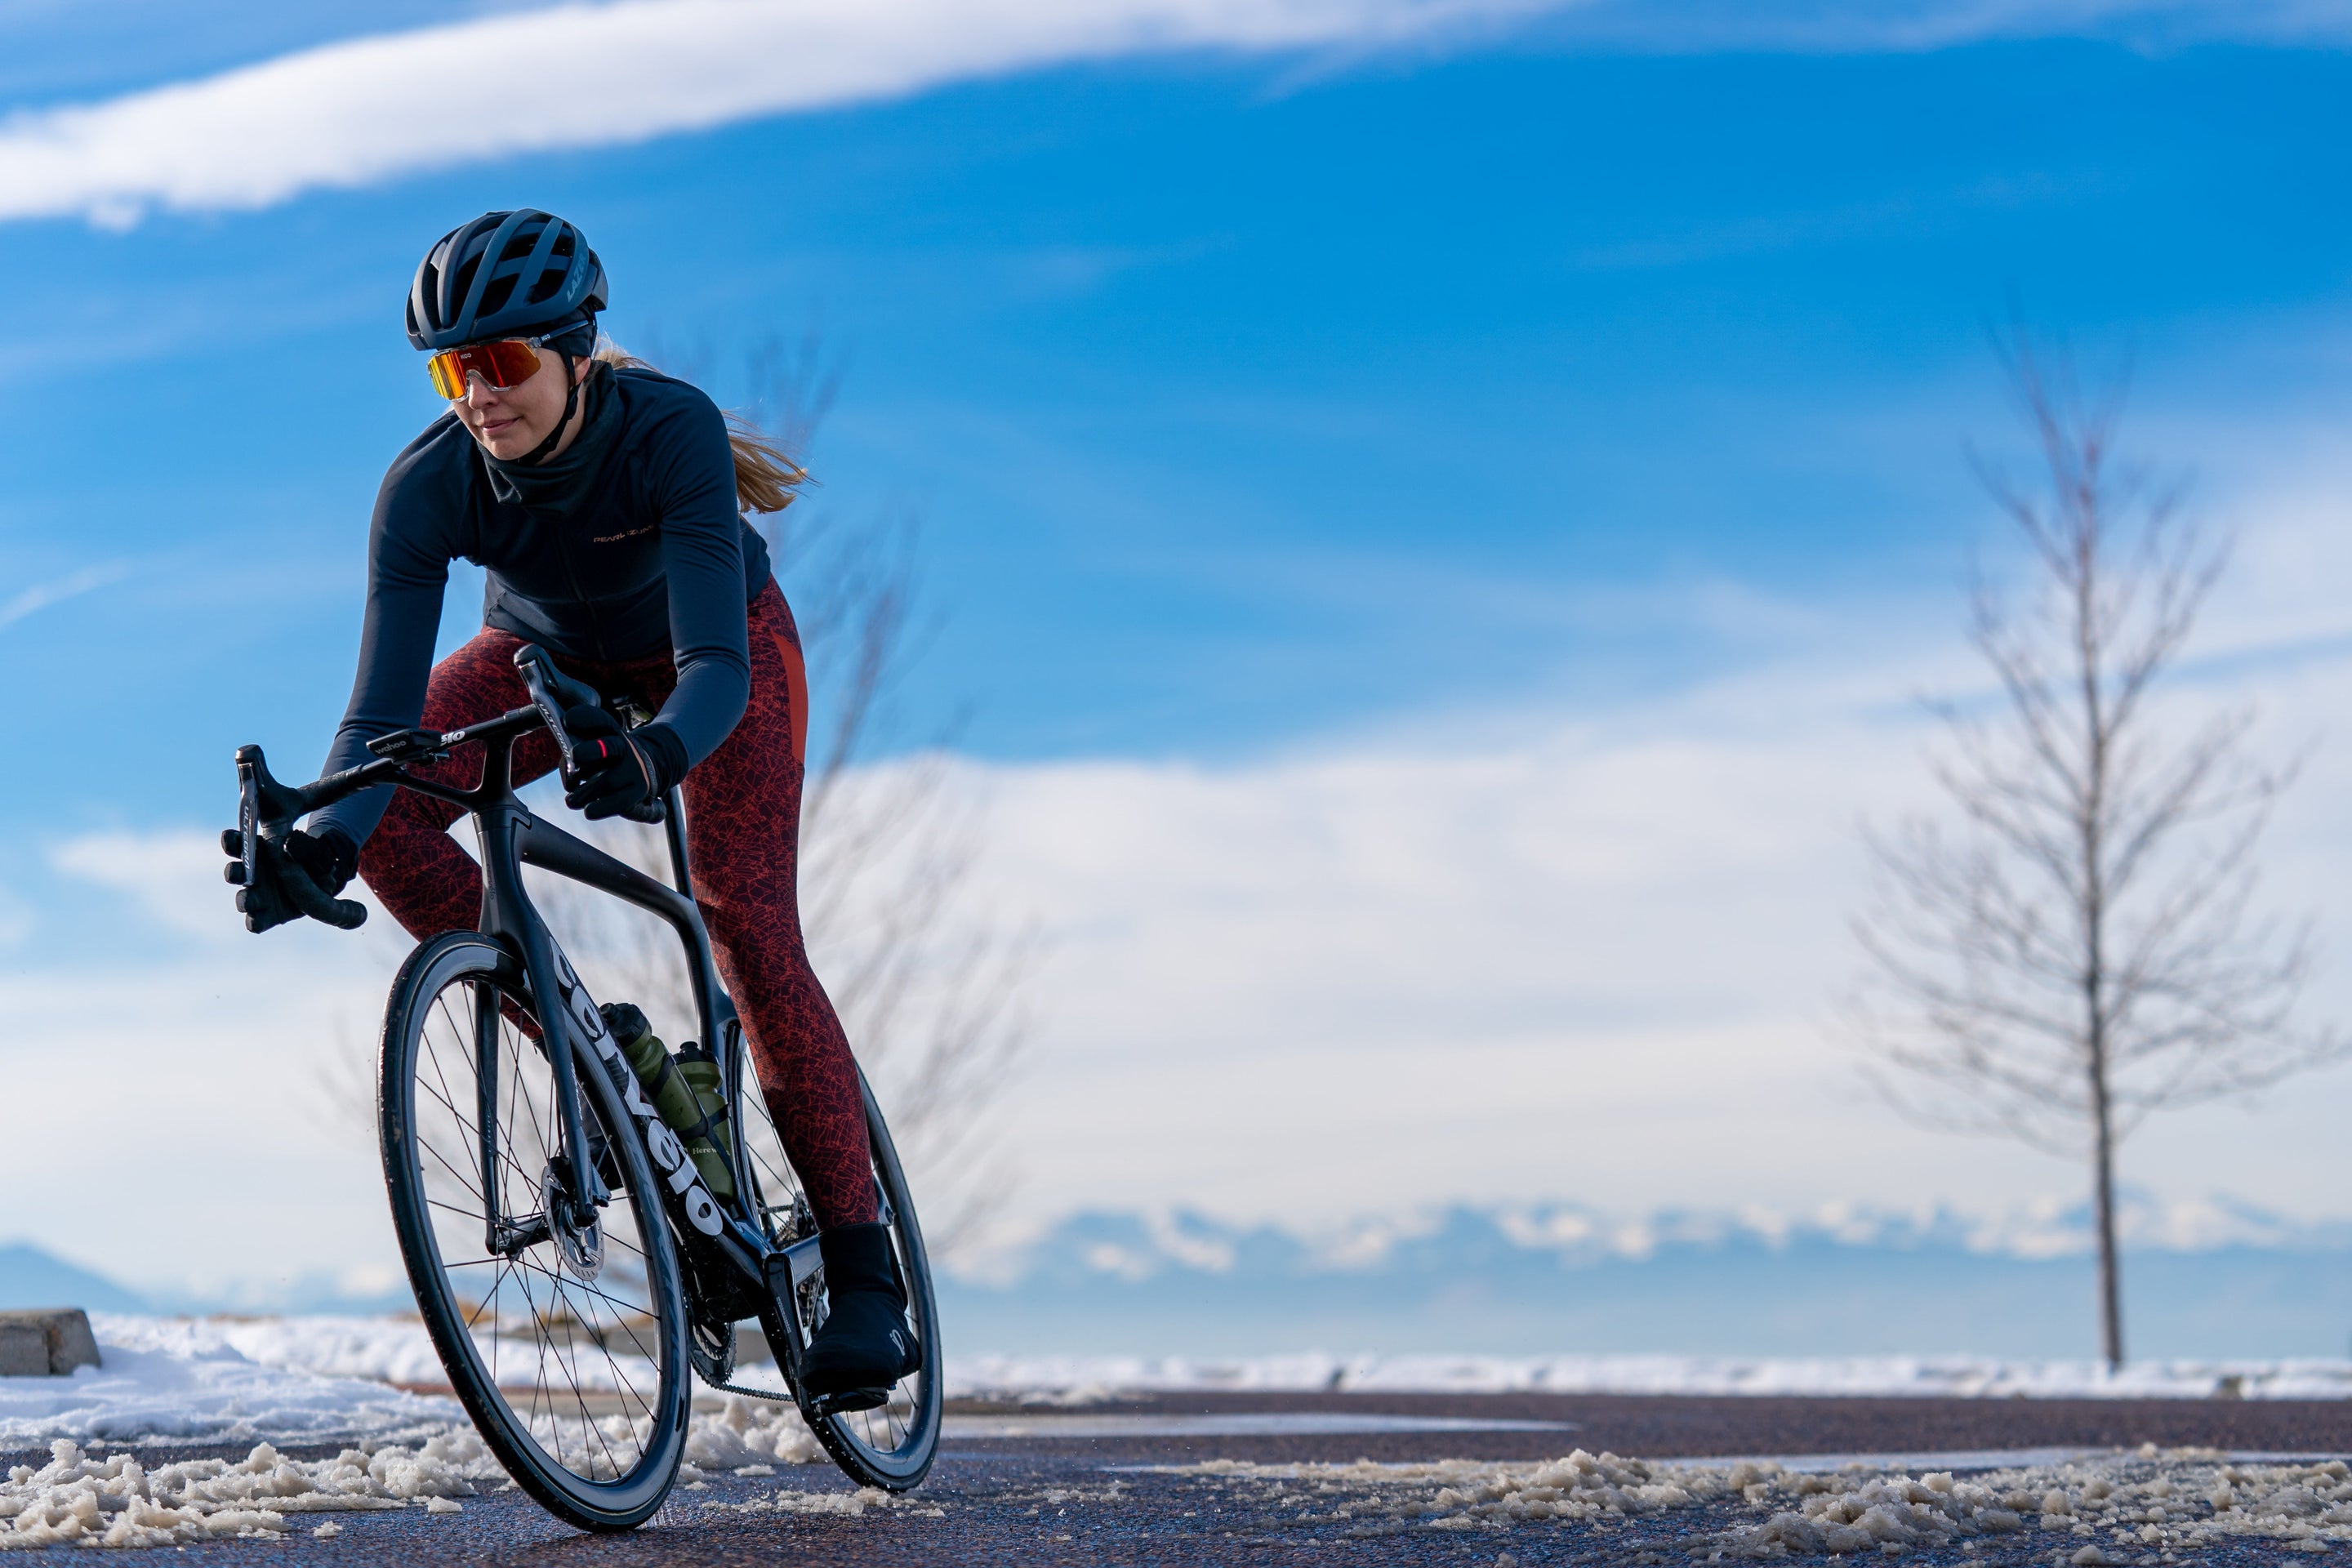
[(324, 861), (614, 772)]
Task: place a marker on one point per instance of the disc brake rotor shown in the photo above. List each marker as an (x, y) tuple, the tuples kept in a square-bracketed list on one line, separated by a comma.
[(582, 1249)]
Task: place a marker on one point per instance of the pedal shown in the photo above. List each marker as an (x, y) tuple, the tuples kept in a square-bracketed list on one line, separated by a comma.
[(849, 1401)]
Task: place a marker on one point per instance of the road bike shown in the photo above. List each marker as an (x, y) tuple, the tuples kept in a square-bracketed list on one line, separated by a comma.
[(571, 1261)]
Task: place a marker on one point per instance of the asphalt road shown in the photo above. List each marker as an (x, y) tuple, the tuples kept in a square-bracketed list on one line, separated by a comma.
[(1106, 1484)]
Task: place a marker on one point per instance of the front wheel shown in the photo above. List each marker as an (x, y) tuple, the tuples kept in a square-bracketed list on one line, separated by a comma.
[(566, 1344)]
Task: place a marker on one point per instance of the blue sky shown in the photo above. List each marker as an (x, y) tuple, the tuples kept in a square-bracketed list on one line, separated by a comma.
[(1240, 400), (1254, 399)]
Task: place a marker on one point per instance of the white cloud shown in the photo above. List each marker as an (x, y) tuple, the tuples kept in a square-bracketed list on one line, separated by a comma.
[(201, 1119), (174, 876), (41, 596), (374, 107), (1861, 25), (1580, 956)]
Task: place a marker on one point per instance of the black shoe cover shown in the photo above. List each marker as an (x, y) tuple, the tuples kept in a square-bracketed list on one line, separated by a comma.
[(865, 1341)]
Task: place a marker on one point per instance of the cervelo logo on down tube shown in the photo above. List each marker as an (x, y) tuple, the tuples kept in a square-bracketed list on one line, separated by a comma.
[(669, 1153)]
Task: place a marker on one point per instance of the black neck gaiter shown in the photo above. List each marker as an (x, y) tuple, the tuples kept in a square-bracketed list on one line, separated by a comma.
[(562, 481)]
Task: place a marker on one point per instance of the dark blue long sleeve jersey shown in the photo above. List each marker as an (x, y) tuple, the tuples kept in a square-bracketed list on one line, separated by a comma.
[(653, 556)]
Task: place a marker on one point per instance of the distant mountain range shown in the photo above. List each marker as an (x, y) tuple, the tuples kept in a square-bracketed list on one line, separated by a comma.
[(2211, 1279), (2200, 1281), (32, 1278)]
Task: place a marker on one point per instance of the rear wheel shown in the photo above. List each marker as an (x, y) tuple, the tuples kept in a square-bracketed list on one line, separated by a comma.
[(566, 1344), (892, 1445)]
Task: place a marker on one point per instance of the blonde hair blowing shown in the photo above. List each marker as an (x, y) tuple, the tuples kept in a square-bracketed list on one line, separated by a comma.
[(766, 479)]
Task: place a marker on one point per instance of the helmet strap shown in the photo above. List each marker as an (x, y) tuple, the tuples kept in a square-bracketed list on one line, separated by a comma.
[(571, 404)]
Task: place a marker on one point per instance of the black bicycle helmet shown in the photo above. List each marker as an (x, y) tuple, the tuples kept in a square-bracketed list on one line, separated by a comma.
[(504, 275)]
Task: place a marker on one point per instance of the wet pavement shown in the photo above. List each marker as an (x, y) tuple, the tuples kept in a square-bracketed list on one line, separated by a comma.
[(1138, 1482)]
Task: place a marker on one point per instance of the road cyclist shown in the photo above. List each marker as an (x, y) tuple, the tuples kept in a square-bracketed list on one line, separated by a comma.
[(634, 640)]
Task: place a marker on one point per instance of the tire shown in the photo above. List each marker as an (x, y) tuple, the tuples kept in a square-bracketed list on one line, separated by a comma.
[(596, 1437), (891, 1447)]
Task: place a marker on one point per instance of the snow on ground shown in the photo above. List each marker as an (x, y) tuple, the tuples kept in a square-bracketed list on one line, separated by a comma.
[(171, 1379), (383, 1349), (84, 1499), (395, 1350), (2144, 1507), (231, 1380), (388, 1349), (299, 1380), (325, 1379)]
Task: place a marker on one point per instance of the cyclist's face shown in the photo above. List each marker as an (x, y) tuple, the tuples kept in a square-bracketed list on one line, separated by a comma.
[(511, 421)]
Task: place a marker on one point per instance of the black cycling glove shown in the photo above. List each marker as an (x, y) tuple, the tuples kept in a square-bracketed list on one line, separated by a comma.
[(614, 770), (326, 861)]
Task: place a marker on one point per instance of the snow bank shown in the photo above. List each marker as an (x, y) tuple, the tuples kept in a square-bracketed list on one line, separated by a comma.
[(315, 1379), (384, 1349), (389, 1349), (1067, 1379), (333, 1379), (167, 1379)]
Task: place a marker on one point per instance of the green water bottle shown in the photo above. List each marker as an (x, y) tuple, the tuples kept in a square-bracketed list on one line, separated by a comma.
[(712, 1140), (684, 1107)]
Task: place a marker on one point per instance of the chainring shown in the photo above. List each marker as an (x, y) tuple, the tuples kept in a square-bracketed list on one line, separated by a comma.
[(711, 1348)]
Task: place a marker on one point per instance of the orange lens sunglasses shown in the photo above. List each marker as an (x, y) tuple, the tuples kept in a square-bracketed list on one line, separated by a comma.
[(507, 362)]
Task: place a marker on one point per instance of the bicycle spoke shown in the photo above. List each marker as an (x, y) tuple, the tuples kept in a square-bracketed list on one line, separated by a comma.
[(549, 1352), (442, 1094), (452, 1209), (441, 1003), (457, 1176), (578, 1364), (621, 1385)]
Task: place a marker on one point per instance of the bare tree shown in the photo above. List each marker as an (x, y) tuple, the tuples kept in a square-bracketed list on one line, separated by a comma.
[(2081, 949)]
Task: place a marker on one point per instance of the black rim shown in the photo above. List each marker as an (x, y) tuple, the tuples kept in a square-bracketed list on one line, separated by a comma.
[(900, 1434), (564, 1342), (893, 1445)]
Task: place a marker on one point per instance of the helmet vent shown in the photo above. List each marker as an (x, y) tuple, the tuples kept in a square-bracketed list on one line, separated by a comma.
[(540, 274)]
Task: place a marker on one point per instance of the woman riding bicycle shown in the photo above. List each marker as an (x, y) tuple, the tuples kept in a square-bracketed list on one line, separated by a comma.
[(605, 501)]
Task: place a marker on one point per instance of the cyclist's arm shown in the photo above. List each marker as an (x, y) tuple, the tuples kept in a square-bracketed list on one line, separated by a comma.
[(408, 573), (692, 476)]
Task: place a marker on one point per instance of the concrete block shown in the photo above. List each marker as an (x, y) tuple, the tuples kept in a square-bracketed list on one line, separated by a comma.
[(24, 1351), (45, 1342)]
